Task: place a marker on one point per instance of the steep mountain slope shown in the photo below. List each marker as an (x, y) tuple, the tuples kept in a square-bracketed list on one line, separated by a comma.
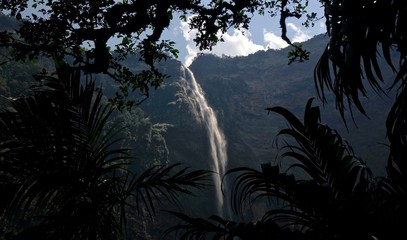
[(241, 88), (164, 130)]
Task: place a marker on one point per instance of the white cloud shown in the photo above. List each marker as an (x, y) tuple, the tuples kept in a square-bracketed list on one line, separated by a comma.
[(295, 34), (273, 41), (299, 35), (238, 43), (192, 50), (187, 32)]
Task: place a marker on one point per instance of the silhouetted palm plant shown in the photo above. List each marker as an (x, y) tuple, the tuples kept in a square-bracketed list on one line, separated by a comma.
[(359, 31), (63, 174), (323, 201)]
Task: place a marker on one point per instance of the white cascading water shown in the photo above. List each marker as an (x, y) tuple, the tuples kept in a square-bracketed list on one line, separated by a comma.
[(205, 115)]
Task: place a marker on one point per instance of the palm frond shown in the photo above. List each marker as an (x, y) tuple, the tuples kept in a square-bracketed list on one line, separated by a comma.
[(250, 185), (306, 206), (58, 158), (350, 60), (320, 151), (217, 228), (396, 132), (161, 182), (198, 228)]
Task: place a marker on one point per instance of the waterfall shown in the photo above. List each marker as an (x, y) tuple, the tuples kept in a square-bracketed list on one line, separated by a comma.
[(205, 115)]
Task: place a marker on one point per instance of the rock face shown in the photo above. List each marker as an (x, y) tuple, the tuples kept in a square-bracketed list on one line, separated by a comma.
[(164, 129), (239, 89)]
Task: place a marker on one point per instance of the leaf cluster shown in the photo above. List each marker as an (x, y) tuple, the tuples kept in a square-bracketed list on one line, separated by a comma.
[(64, 174), (81, 30), (334, 196)]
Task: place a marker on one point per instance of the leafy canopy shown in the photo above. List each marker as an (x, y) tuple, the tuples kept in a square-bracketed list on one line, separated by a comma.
[(81, 29), (64, 174)]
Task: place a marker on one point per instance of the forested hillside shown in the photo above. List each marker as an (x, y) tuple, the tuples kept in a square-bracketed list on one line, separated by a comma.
[(162, 130), (241, 88), (102, 141)]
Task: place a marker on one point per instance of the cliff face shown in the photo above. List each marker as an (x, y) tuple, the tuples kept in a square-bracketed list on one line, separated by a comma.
[(240, 88), (164, 129)]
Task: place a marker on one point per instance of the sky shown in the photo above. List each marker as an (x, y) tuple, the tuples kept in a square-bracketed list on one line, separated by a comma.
[(263, 33)]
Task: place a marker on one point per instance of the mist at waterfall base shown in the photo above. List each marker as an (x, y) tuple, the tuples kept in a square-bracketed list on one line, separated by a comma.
[(206, 116)]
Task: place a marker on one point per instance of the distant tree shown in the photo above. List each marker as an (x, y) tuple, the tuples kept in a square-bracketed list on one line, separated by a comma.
[(358, 31), (147, 138), (63, 173), (324, 200), (81, 29)]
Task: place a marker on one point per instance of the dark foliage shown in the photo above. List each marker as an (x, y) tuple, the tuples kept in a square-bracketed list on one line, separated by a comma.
[(324, 204), (334, 196), (360, 32), (60, 29), (346, 203), (63, 174)]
